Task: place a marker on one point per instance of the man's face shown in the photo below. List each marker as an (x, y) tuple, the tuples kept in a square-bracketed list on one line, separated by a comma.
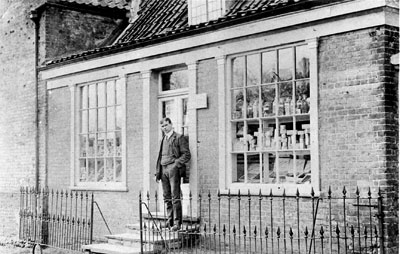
[(166, 127)]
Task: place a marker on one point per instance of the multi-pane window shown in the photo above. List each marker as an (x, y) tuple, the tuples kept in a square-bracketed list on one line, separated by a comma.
[(270, 117), (100, 137), (205, 10), (174, 99)]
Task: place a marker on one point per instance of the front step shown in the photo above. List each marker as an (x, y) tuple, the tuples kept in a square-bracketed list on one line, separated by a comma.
[(106, 248)]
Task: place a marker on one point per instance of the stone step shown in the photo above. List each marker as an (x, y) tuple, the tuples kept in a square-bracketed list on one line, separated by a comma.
[(163, 217), (135, 227), (106, 248)]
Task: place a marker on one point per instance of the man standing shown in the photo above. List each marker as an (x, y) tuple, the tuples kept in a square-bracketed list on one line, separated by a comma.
[(173, 154)]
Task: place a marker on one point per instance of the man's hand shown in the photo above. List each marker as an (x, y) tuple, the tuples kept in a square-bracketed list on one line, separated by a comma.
[(155, 178)]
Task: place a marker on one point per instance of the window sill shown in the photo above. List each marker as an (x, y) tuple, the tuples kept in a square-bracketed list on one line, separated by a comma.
[(266, 190), (99, 187)]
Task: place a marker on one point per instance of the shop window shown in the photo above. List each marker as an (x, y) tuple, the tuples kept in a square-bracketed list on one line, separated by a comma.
[(100, 115), (204, 10), (270, 117)]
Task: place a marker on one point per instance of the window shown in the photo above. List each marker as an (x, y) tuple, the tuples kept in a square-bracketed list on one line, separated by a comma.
[(270, 117), (100, 139), (174, 99), (204, 10)]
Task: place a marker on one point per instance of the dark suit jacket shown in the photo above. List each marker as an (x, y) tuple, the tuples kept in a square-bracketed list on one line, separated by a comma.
[(180, 150)]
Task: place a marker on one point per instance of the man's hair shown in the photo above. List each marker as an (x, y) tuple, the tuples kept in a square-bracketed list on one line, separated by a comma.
[(166, 119)]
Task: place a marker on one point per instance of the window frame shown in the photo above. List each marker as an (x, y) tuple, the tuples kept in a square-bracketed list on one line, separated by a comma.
[(194, 20), (178, 95), (75, 184), (275, 188)]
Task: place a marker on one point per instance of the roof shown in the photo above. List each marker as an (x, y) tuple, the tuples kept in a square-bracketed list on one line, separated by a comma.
[(161, 20), (120, 4)]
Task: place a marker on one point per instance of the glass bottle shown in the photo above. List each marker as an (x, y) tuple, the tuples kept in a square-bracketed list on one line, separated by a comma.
[(298, 105)]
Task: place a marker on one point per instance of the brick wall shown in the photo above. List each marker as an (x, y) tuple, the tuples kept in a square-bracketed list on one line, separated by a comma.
[(59, 138), (17, 112), (358, 115), (207, 126), (118, 208), (68, 31)]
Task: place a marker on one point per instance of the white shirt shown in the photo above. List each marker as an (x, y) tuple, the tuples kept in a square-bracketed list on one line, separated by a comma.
[(169, 134)]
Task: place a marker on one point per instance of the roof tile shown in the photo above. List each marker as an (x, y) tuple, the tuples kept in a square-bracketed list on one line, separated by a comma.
[(120, 4)]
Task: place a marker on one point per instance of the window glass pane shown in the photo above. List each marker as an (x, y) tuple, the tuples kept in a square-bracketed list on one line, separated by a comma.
[(285, 64), (268, 100), (302, 97), (91, 147), (84, 121), (238, 71), (269, 135), (285, 171), (268, 167), (239, 143), (84, 97), (118, 170), (91, 172), (238, 109), (119, 92), (253, 136), (168, 110), (92, 96), (82, 145), (100, 144), (285, 103), (238, 165), (253, 102), (110, 93), (174, 80), (110, 118), (100, 170), (110, 144), (185, 116), (302, 62), (118, 118), (253, 168), (83, 177), (303, 169), (92, 120), (101, 119), (118, 143), (303, 134), (101, 95), (253, 69), (269, 67)]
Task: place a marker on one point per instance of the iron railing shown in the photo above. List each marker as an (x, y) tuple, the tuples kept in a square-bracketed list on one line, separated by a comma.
[(350, 223), (59, 219)]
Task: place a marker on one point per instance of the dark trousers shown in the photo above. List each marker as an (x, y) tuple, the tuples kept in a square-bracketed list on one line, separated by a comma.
[(171, 183)]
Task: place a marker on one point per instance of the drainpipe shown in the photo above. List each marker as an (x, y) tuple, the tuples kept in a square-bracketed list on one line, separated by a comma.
[(34, 16)]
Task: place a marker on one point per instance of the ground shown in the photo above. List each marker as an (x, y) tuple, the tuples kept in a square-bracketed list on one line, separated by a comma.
[(11, 249)]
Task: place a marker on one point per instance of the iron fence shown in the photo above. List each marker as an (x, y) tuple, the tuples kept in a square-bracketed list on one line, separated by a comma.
[(59, 219), (339, 222)]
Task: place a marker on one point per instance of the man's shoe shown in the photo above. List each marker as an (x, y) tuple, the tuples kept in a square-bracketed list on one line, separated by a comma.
[(165, 225), (176, 228)]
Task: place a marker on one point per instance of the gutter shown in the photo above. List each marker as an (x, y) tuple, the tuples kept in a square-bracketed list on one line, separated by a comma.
[(35, 18)]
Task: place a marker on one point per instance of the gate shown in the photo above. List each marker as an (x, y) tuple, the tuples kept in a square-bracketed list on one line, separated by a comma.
[(59, 219), (340, 222)]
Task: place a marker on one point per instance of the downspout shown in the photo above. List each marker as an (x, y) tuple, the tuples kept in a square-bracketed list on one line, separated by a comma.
[(35, 18)]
